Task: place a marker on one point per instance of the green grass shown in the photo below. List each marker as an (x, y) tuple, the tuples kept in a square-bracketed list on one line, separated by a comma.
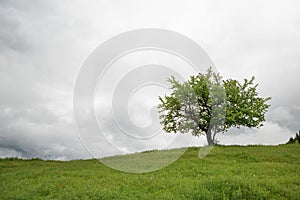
[(252, 172)]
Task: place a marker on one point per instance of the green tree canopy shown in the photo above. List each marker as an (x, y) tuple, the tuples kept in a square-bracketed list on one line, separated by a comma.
[(207, 105)]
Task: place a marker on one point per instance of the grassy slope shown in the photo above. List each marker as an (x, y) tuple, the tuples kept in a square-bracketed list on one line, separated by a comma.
[(253, 172)]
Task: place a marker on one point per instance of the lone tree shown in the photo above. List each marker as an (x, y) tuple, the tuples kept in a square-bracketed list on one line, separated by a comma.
[(207, 105)]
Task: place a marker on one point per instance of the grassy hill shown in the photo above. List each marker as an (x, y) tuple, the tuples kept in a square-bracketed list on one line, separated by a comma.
[(232, 172)]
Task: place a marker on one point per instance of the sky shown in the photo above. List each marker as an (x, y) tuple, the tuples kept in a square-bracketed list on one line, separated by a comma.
[(43, 45)]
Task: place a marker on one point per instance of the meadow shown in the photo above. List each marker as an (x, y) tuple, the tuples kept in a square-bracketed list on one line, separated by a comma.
[(227, 172)]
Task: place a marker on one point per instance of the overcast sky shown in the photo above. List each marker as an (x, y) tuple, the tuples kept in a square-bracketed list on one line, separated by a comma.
[(43, 45)]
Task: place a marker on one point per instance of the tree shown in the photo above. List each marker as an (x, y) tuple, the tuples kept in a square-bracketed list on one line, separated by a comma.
[(294, 140), (207, 105)]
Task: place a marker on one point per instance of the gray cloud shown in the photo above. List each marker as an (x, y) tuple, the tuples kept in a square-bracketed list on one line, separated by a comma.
[(44, 44)]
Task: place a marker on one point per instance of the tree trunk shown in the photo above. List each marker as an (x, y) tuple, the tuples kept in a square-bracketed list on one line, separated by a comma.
[(210, 141)]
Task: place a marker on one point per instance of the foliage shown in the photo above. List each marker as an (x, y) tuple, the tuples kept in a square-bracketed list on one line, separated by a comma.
[(207, 105), (295, 140), (233, 172)]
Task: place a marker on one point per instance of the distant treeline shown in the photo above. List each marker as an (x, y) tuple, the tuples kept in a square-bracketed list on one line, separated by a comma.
[(295, 140)]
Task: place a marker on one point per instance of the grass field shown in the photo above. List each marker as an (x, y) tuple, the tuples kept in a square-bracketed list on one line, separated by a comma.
[(232, 172)]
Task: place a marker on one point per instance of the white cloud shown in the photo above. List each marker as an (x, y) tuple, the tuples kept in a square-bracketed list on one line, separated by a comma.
[(269, 134)]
